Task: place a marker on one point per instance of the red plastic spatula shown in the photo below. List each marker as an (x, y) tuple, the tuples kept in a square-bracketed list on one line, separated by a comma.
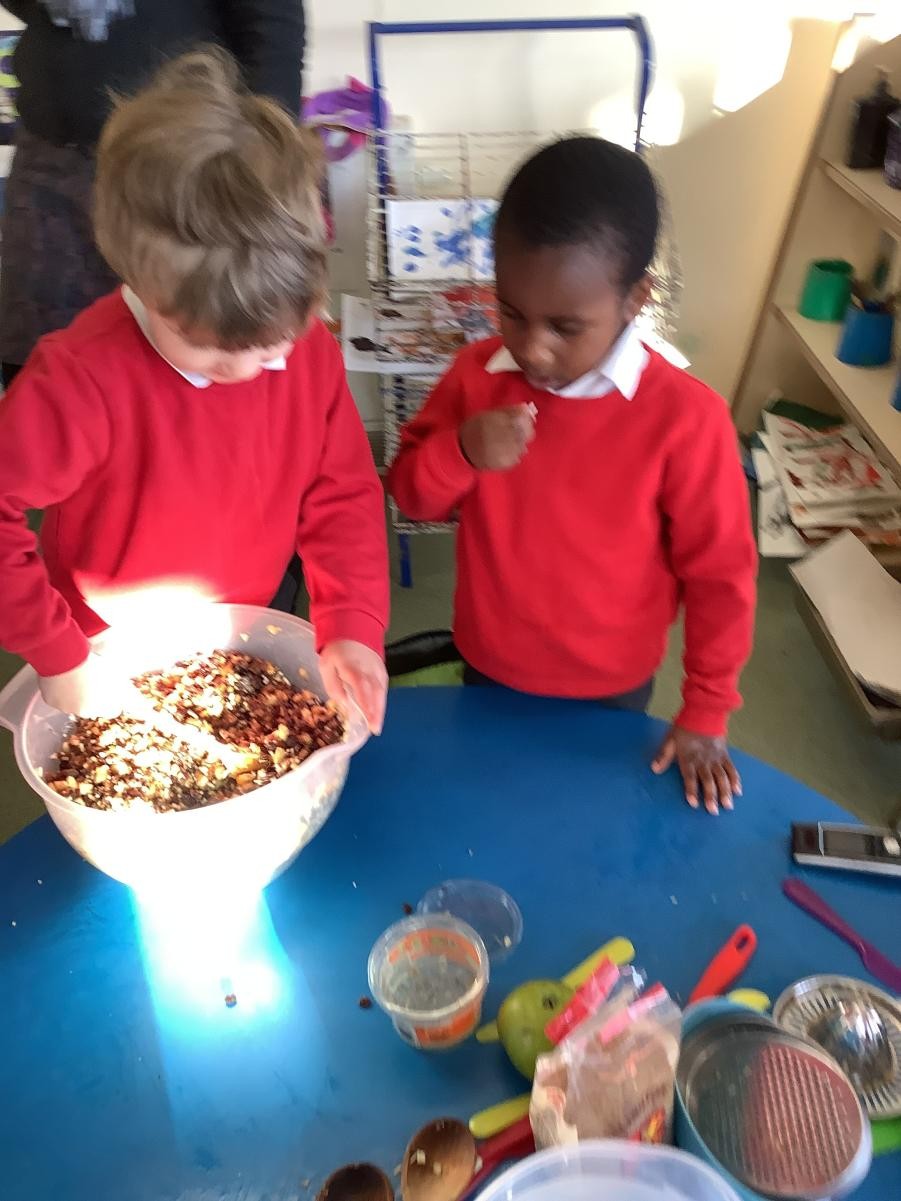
[(726, 966), (516, 1142)]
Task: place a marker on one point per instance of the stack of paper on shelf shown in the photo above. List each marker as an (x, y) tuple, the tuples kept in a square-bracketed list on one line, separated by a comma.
[(860, 604), (829, 480), (776, 536)]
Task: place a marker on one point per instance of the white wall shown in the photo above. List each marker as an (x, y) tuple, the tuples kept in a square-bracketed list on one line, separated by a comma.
[(730, 176), (738, 90), (550, 81)]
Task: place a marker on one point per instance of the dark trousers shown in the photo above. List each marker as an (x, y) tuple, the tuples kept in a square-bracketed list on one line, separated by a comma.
[(636, 701), (285, 599), (10, 371)]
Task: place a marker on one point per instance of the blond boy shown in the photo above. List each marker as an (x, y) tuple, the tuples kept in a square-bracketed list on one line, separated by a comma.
[(193, 428)]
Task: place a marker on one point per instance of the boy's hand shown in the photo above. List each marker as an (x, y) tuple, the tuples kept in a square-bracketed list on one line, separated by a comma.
[(498, 439), (707, 771), (95, 689), (352, 669)]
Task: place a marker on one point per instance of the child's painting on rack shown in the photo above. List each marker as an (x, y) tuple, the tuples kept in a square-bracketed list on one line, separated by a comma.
[(441, 239)]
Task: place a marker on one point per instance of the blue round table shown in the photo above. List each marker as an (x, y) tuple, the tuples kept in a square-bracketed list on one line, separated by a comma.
[(124, 1076)]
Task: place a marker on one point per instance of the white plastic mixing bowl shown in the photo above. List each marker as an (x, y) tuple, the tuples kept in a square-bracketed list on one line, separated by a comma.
[(245, 841), (610, 1170)]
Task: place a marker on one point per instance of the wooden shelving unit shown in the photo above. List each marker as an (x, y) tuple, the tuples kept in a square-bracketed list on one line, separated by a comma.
[(864, 394), (844, 214), (869, 189)]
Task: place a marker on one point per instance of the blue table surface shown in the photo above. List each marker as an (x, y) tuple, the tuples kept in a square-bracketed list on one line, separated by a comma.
[(125, 1078)]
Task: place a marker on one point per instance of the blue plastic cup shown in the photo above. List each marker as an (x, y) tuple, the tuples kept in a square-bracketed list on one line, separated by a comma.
[(866, 339)]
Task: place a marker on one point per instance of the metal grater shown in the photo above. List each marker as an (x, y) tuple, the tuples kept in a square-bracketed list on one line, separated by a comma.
[(775, 1111), (804, 1003)]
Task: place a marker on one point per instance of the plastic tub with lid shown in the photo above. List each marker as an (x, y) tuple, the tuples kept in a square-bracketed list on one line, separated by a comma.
[(610, 1170), (245, 841), (429, 974)]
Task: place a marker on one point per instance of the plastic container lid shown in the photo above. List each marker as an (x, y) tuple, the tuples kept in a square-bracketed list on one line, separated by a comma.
[(490, 911), (610, 1170)]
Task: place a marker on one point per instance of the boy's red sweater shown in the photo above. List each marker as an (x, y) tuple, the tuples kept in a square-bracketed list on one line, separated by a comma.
[(148, 480), (572, 566)]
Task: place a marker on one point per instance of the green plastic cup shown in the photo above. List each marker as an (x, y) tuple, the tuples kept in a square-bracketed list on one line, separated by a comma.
[(827, 290)]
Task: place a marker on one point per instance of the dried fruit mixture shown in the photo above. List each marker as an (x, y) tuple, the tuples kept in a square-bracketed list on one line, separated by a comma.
[(266, 728)]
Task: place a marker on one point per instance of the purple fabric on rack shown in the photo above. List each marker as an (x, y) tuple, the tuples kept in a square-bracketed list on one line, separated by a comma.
[(344, 117)]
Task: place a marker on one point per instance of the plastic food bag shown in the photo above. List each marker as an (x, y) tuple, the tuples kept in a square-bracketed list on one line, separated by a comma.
[(613, 1076), (606, 990)]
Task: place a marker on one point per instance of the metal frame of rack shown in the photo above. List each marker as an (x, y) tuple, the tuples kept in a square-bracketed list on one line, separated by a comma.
[(422, 320)]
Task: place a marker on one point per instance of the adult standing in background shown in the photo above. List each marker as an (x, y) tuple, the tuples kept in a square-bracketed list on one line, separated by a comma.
[(72, 56)]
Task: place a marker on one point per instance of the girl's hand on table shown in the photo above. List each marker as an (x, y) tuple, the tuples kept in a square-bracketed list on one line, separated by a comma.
[(707, 771), (350, 669), (93, 689)]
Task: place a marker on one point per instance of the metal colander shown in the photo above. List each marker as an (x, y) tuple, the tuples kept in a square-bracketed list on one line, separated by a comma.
[(776, 1112), (805, 1003)]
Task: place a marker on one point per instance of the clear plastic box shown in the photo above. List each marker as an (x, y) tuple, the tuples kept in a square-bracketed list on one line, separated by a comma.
[(242, 842), (610, 1170)]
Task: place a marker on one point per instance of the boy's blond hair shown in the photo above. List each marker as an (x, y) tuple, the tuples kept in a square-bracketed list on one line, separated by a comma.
[(207, 205)]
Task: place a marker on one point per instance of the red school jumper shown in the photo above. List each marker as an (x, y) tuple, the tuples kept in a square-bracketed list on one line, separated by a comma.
[(147, 479), (572, 566)]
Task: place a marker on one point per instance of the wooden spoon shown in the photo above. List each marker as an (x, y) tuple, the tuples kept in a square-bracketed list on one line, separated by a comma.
[(357, 1182), (444, 1163)]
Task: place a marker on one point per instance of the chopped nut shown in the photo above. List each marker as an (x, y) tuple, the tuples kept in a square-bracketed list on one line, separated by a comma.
[(365, 1003)]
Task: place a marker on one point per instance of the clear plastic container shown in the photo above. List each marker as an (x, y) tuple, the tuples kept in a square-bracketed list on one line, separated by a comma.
[(429, 974), (243, 842), (611, 1170), (491, 912)]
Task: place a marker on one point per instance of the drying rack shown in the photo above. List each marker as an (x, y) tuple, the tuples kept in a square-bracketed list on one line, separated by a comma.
[(431, 203)]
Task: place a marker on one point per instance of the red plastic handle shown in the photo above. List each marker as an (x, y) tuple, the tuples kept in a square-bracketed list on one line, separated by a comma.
[(515, 1142), (727, 965)]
